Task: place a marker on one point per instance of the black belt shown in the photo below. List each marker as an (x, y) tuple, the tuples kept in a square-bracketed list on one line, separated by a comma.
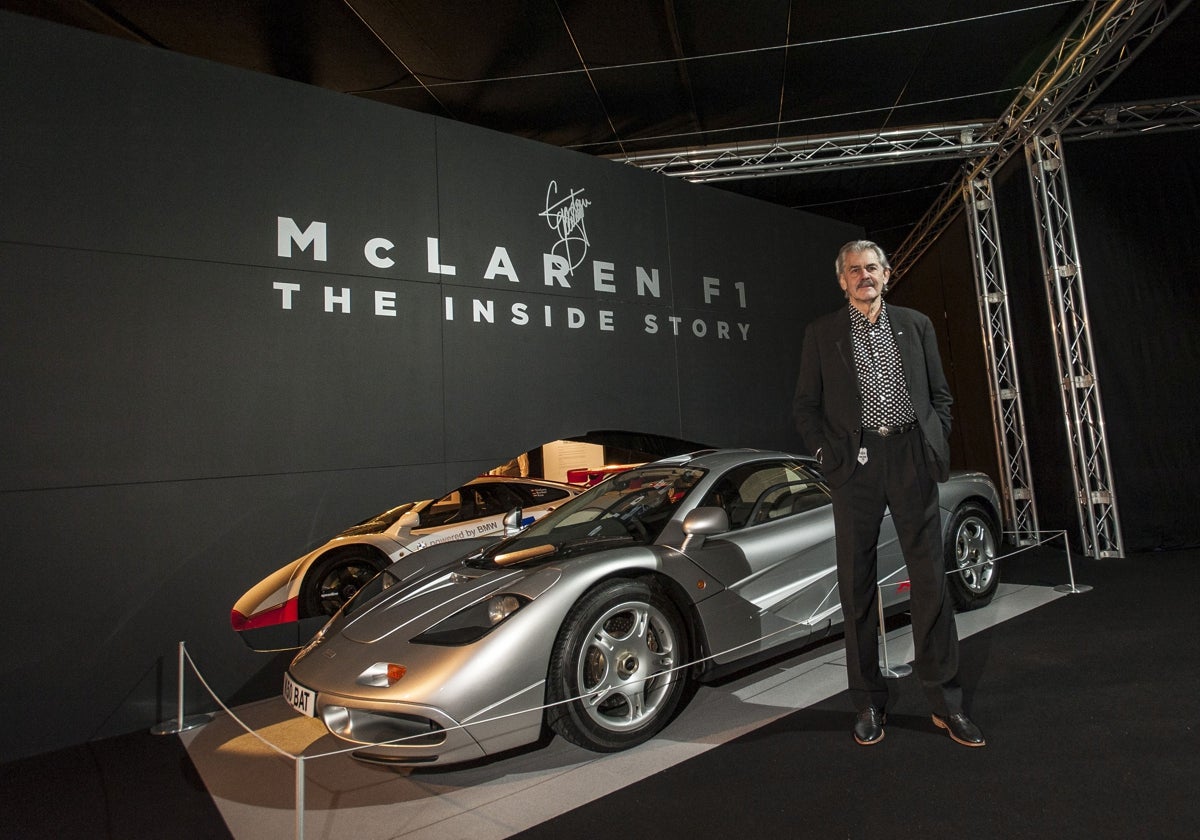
[(885, 431)]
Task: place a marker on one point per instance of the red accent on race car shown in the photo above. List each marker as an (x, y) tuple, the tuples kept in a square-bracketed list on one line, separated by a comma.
[(287, 611), (591, 476)]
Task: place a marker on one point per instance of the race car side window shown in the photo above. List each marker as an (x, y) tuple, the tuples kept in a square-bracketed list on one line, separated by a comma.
[(496, 500), (445, 509), (537, 494)]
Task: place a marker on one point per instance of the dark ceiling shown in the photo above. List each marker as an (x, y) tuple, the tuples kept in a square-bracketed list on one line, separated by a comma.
[(619, 77)]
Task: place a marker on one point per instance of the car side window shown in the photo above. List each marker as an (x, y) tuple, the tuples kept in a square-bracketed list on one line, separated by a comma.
[(757, 493), (449, 508), (462, 505), (787, 498), (537, 494), (496, 500)]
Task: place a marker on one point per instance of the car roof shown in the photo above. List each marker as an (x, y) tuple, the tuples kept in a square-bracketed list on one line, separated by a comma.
[(513, 479), (721, 459)]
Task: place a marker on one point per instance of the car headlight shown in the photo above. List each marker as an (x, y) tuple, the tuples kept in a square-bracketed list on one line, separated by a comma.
[(382, 675), (473, 623)]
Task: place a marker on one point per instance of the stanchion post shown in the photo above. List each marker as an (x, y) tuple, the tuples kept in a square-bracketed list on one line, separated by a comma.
[(180, 724), (300, 797), (901, 670), (1070, 588)]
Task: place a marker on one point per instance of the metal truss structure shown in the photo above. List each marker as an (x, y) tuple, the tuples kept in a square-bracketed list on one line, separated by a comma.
[(1008, 416), (739, 162), (1134, 117), (1055, 102), (1097, 503), (1104, 40)]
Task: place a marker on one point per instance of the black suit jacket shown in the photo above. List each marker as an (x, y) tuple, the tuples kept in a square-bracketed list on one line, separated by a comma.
[(828, 402)]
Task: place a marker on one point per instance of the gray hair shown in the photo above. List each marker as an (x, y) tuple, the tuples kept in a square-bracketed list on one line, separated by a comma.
[(858, 246)]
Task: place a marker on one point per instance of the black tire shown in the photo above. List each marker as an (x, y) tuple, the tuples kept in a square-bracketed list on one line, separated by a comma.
[(970, 550), (334, 579), (617, 661)]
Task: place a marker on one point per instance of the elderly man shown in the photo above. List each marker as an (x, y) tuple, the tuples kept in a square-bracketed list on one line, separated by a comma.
[(872, 403)]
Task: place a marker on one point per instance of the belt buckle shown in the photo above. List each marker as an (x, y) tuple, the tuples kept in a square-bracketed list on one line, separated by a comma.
[(884, 431)]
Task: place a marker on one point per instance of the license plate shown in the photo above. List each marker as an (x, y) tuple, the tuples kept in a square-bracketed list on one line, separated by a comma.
[(303, 700)]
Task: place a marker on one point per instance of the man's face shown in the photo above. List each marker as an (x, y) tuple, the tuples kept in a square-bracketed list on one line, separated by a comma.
[(863, 277)]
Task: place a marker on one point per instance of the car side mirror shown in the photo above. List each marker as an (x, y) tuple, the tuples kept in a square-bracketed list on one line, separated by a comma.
[(410, 519), (512, 522), (701, 523)]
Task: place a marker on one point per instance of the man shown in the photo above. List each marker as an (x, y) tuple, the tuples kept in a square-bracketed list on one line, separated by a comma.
[(872, 403)]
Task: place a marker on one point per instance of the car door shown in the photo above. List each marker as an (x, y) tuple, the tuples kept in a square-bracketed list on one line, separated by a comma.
[(778, 559)]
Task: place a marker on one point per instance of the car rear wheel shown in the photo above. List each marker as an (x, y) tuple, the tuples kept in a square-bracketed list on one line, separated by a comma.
[(334, 579), (974, 571), (612, 682)]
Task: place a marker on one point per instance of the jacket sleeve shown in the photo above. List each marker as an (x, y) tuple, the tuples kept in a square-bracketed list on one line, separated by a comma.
[(939, 391), (808, 402)]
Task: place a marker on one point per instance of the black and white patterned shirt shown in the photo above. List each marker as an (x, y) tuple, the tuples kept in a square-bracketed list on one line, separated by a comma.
[(885, 399)]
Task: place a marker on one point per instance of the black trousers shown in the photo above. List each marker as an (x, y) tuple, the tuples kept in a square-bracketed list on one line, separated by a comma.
[(895, 476)]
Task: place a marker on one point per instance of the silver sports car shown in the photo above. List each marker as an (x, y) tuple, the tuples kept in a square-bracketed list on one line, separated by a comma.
[(594, 619)]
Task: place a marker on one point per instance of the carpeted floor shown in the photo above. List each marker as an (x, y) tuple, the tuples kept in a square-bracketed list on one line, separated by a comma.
[(1085, 703), (135, 787)]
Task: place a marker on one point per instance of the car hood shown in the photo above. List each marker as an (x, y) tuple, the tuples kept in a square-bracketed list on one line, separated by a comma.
[(429, 585), (414, 605)]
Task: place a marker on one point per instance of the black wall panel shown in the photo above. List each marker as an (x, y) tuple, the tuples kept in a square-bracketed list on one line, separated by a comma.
[(541, 353), (230, 330), (771, 276)]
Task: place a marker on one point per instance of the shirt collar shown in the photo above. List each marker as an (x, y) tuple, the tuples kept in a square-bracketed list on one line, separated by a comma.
[(859, 320)]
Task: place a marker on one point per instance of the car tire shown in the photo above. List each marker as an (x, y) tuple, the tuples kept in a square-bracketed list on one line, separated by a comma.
[(971, 541), (615, 678), (334, 579)]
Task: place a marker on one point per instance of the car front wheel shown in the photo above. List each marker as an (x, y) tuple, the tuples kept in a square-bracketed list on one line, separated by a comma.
[(971, 564), (613, 678), (333, 580)]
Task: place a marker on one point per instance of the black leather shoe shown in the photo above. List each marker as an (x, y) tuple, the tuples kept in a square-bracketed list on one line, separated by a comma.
[(960, 729), (868, 726)]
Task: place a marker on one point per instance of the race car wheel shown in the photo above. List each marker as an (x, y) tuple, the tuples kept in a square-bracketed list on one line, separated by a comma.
[(334, 579), (613, 681), (971, 564)]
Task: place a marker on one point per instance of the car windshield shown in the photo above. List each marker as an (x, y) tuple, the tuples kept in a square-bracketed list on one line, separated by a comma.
[(633, 506), (378, 524)]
